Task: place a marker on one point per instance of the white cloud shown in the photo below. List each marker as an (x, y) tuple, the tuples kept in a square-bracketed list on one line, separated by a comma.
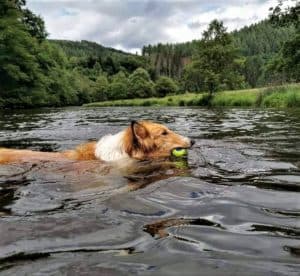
[(130, 24)]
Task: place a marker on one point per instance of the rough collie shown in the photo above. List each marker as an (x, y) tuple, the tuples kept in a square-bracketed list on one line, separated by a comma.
[(142, 140)]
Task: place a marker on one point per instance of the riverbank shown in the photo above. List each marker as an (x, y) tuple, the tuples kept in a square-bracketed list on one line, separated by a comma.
[(277, 96)]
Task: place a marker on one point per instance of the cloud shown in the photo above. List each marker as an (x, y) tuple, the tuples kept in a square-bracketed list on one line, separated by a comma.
[(131, 24)]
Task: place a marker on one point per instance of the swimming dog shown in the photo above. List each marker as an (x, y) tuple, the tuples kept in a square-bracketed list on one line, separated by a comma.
[(144, 140)]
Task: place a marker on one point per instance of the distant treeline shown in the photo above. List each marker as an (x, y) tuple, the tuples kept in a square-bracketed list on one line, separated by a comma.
[(35, 71), (257, 45)]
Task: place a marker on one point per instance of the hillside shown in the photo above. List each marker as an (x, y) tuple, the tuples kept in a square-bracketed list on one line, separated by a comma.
[(257, 43), (90, 55), (86, 48), (35, 71)]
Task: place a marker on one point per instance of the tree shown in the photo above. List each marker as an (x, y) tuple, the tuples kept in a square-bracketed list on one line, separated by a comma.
[(291, 56), (101, 88), (288, 61), (164, 86), (192, 80), (118, 88), (131, 63), (140, 84), (285, 16), (82, 85), (34, 25), (216, 62), (32, 72), (20, 72)]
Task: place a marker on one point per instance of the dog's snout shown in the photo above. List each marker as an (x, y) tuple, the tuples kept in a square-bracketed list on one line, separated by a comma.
[(192, 142)]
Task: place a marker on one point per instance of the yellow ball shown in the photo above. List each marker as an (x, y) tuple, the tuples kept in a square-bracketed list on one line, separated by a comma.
[(181, 164), (179, 152)]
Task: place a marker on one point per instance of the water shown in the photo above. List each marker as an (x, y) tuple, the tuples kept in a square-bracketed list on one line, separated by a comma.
[(234, 209)]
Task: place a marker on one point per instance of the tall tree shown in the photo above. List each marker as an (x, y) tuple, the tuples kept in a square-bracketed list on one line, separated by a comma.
[(288, 61), (102, 86), (34, 24), (140, 84), (118, 88), (283, 14), (20, 72), (217, 61), (32, 72)]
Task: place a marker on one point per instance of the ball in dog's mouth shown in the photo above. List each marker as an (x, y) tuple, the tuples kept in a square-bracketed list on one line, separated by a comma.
[(179, 152)]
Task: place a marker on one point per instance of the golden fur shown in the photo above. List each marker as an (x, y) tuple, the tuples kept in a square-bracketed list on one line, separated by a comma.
[(152, 141)]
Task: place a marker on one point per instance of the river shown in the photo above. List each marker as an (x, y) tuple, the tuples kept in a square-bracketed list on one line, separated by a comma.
[(232, 209)]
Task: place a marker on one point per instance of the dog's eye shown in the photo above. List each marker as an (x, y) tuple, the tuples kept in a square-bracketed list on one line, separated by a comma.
[(164, 132)]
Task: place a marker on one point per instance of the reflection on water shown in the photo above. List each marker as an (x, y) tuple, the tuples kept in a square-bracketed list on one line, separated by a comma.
[(232, 208)]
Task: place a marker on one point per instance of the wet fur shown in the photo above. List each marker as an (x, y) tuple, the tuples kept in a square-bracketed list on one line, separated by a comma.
[(141, 140)]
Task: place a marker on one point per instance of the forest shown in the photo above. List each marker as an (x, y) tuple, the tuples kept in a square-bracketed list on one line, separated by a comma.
[(36, 71)]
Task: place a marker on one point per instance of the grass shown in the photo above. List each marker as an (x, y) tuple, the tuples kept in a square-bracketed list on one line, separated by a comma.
[(277, 97), (241, 98), (174, 100), (288, 96)]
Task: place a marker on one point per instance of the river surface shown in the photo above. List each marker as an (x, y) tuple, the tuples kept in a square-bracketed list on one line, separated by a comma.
[(232, 208)]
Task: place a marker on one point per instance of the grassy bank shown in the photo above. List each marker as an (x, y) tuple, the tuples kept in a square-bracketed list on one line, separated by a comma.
[(278, 96)]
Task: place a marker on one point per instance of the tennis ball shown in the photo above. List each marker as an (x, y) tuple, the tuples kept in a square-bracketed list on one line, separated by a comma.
[(181, 165), (179, 152)]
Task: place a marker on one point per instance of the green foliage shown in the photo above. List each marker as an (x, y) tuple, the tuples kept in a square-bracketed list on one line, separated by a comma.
[(243, 98), (164, 86), (257, 43), (101, 88), (118, 88), (39, 72), (34, 25), (252, 70), (216, 63), (282, 15), (291, 58), (287, 62), (32, 72), (140, 84), (85, 55), (191, 79), (20, 72), (280, 96)]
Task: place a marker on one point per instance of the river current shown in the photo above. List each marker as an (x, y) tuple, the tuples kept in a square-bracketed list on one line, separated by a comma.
[(231, 208)]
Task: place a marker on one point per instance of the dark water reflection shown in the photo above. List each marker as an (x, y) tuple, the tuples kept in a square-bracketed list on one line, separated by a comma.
[(234, 209)]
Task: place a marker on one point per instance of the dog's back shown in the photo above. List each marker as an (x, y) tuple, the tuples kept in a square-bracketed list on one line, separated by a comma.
[(82, 152)]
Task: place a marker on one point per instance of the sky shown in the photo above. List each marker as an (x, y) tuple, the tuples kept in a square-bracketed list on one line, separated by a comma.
[(130, 24)]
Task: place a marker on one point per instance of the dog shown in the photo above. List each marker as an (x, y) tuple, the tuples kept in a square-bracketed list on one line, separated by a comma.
[(144, 140)]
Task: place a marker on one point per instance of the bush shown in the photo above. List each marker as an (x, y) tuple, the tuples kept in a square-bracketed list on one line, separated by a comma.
[(140, 84), (164, 86), (181, 103), (146, 103), (118, 88), (101, 88)]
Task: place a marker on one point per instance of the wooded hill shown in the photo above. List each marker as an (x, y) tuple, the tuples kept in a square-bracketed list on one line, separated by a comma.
[(35, 71), (257, 44), (86, 48)]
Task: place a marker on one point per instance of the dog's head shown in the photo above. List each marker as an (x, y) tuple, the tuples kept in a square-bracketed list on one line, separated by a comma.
[(148, 140)]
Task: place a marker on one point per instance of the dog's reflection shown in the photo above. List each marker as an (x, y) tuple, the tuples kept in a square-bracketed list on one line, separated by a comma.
[(75, 176)]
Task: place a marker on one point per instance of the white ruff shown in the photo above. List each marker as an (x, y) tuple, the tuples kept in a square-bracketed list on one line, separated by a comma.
[(110, 148)]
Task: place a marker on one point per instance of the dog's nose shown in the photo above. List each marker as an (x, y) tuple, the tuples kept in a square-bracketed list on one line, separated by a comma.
[(192, 142)]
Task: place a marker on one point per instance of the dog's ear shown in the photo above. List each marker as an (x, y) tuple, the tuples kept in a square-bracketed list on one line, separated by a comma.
[(139, 131)]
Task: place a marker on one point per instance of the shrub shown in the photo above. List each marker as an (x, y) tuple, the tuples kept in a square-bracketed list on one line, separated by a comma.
[(140, 84), (101, 88), (118, 88), (181, 103), (164, 86)]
